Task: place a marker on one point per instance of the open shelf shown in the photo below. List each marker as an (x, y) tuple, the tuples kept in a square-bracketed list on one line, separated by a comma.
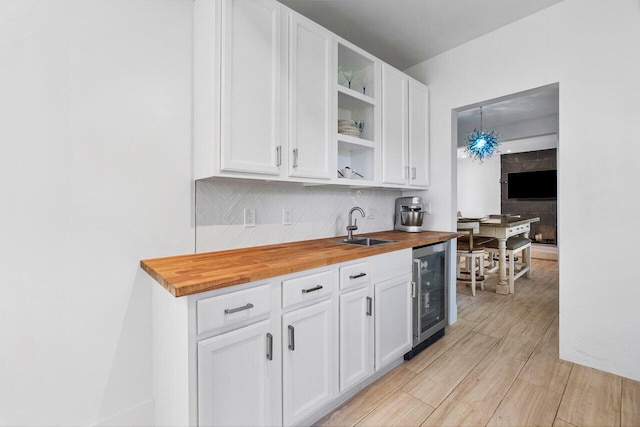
[(350, 108), (353, 142), (361, 66), (358, 157), (357, 103), (352, 93)]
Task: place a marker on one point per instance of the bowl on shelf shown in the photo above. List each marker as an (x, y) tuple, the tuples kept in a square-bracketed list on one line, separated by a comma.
[(350, 127)]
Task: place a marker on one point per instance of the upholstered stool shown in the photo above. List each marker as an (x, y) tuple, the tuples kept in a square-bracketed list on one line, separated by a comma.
[(515, 245)]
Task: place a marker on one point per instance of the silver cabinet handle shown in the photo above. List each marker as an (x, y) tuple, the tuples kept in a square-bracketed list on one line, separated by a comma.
[(417, 276), (413, 173), (369, 306), (237, 309), (356, 276), (315, 288), (405, 175), (295, 157), (278, 155), (413, 289), (292, 338), (269, 346)]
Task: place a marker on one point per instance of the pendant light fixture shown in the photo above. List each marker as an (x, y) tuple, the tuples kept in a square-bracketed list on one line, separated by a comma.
[(481, 144)]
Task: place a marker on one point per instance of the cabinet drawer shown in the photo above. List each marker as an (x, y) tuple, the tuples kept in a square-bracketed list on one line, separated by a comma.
[(233, 308), (306, 288), (354, 275), (519, 229)]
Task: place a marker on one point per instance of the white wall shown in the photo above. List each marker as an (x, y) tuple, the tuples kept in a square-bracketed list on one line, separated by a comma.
[(591, 48), (479, 187), (95, 174)]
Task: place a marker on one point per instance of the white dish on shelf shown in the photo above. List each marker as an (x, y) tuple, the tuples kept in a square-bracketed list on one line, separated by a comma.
[(353, 134), (350, 127)]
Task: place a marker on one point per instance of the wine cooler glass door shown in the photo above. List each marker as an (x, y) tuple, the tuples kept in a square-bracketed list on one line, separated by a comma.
[(431, 294)]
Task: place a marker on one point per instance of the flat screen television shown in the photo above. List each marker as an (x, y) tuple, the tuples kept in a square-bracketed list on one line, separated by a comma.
[(532, 185)]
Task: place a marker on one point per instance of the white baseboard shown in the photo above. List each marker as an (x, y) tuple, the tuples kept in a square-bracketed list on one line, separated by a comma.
[(138, 416)]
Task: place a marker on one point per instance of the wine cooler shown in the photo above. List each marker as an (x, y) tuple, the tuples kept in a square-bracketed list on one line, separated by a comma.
[(430, 295)]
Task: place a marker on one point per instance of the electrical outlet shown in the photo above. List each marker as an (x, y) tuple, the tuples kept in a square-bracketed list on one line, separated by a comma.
[(371, 212), (249, 217), (287, 216), (427, 208)]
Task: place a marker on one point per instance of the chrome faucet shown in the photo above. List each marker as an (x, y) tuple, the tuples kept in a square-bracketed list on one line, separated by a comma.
[(352, 228)]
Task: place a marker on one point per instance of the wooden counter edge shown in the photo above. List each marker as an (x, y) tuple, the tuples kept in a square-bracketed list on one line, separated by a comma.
[(355, 253)]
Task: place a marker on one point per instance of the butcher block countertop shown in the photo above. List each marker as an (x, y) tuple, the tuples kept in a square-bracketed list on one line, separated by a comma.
[(190, 274)]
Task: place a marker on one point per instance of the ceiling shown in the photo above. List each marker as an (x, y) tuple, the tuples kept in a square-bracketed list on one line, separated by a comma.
[(406, 32), (526, 121), (517, 108)]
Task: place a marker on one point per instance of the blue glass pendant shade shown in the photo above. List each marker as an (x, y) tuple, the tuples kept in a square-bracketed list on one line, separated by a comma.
[(481, 144)]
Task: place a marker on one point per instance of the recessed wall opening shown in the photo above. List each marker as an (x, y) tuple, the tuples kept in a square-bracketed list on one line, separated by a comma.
[(520, 178), (527, 123)]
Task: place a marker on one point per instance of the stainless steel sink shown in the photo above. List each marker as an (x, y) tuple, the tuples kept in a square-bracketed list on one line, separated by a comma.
[(365, 241)]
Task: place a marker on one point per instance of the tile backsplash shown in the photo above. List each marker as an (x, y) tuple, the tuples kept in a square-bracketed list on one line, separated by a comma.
[(318, 211)]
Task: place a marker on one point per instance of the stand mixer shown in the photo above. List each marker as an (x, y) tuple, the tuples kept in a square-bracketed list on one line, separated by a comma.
[(409, 214)]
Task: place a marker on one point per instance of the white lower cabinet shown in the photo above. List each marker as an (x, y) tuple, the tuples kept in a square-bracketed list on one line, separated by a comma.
[(307, 360), (356, 337), (236, 377), (392, 319), (278, 352)]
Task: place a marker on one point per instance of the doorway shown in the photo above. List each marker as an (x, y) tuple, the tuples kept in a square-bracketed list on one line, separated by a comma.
[(527, 125)]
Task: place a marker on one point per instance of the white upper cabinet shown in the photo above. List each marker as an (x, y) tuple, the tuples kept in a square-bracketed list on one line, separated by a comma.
[(418, 134), (310, 94), (394, 126), (251, 86), (278, 97), (405, 130)]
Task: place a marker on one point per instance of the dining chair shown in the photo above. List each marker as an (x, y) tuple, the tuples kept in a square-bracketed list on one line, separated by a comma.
[(470, 250)]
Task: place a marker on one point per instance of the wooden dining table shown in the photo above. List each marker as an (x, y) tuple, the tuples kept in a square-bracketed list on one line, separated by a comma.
[(502, 227)]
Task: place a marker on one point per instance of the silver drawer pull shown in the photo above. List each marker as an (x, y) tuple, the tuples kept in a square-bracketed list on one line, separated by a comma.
[(356, 276), (369, 306), (237, 309), (315, 288)]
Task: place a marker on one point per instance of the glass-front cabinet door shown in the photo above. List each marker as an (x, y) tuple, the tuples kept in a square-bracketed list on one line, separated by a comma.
[(430, 299)]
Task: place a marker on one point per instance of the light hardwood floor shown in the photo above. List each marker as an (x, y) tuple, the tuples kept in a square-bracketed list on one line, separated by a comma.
[(497, 365)]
